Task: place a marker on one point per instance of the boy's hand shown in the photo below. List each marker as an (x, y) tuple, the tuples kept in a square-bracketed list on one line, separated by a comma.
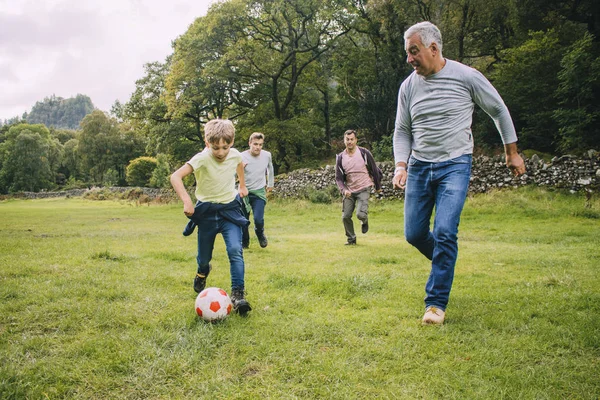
[(188, 209), (243, 191)]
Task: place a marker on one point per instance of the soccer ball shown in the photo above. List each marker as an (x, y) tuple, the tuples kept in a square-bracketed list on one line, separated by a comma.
[(213, 304)]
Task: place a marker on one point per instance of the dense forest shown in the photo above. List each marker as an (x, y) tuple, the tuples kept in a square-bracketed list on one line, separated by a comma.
[(304, 71)]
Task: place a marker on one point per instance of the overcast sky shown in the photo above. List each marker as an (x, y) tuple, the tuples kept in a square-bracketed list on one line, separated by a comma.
[(93, 47)]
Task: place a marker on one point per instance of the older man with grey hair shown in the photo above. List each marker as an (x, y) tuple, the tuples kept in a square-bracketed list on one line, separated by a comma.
[(433, 147)]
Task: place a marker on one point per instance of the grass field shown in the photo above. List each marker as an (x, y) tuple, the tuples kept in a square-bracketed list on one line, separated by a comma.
[(96, 302)]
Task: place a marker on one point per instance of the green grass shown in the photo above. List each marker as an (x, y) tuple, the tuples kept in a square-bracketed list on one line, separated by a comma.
[(96, 302)]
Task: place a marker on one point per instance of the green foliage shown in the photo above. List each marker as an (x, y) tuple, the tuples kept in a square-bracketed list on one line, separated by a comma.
[(110, 178), (73, 183), (384, 149), (29, 158), (579, 96), (162, 172), (61, 113), (140, 170), (105, 144), (28, 167), (528, 72)]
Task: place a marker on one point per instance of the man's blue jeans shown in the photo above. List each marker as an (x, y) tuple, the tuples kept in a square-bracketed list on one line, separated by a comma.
[(208, 228), (442, 185)]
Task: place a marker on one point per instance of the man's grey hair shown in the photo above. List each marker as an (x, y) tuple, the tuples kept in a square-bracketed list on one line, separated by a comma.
[(428, 32)]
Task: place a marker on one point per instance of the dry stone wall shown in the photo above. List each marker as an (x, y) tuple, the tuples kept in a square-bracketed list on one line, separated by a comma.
[(566, 172), (489, 173)]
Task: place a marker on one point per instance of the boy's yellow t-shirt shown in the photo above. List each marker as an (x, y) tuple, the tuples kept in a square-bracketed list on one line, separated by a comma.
[(215, 181)]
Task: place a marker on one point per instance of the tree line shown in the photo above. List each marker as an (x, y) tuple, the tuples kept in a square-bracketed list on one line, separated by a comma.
[(304, 71)]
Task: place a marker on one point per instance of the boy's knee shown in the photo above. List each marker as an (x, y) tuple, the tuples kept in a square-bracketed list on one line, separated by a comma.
[(234, 249)]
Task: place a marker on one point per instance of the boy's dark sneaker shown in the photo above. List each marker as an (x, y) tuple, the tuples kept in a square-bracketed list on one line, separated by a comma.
[(240, 304), (189, 228), (262, 240), (365, 227), (200, 280), (350, 242)]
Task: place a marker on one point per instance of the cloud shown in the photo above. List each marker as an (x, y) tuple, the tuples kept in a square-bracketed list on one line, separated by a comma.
[(96, 48)]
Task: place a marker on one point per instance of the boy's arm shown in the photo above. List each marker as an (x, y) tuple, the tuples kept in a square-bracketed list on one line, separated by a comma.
[(177, 183), (243, 191)]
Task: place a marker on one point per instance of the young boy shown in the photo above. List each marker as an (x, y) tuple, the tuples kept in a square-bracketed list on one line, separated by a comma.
[(219, 206), (257, 165)]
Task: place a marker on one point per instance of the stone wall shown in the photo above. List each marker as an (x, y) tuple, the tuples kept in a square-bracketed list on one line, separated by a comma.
[(566, 172)]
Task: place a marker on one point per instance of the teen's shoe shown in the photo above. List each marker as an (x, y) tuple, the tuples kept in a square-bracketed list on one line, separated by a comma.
[(240, 304), (245, 238), (350, 242), (365, 227), (200, 280), (262, 240), (433, 316)]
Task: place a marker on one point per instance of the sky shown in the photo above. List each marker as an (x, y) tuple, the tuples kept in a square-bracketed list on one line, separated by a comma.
[(96, 48)]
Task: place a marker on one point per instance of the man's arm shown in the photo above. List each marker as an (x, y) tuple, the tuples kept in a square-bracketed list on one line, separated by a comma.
[(339, 176), (375, 171), (402, 140), (177, 183), (270, 174)]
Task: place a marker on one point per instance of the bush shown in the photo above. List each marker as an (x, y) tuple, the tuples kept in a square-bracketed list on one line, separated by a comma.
[(139, 171), (317, 196), (160, 175)]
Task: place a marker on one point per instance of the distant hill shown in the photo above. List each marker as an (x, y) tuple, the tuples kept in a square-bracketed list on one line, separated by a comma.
[(60, 113)]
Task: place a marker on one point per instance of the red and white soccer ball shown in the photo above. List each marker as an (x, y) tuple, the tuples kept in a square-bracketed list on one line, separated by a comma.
[(213, 304)]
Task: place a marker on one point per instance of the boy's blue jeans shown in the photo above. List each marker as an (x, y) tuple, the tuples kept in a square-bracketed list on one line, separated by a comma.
[(442, 185), (208, 228)]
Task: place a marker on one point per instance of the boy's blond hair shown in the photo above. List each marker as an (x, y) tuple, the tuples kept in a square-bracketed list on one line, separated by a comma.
[(218, 129), (256, 136)]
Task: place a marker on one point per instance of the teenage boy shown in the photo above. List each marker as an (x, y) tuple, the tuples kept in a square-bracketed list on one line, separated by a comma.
[(258, 169)]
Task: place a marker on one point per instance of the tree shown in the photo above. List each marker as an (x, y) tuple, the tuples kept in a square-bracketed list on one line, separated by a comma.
[(27, 167), (105, 144), (578, 94)]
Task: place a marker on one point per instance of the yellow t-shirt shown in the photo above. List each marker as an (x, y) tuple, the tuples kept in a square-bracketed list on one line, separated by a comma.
[(215, 181)]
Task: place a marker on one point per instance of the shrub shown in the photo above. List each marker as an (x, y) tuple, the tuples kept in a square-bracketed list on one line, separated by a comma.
[(139, 171)]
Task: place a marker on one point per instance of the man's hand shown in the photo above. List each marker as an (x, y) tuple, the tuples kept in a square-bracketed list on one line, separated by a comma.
[(399, 180), (347, 194), (243, 191), (514, 162)]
